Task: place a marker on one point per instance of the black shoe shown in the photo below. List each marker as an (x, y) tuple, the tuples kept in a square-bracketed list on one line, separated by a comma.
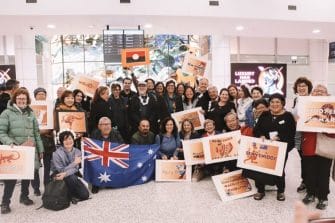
[(280, 196), (301, 188), (94, 189), (5, 209), (308, 199), (26, 201), (259, 196), (322, 205), (74, 200), (37, 192)]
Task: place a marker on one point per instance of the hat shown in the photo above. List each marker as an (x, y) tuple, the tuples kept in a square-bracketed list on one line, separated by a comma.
[(38, 90)]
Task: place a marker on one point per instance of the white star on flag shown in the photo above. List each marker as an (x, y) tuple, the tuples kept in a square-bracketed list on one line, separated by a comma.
[(144, 178), (154, 157), (104, 177), (139, 164), (150, 151)]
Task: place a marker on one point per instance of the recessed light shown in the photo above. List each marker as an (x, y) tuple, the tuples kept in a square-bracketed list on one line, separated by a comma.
[(148, 26), (51, 26), (315, 31), (239, 28)]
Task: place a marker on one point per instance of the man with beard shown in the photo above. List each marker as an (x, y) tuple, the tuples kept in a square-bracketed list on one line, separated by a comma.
[(143, 136)]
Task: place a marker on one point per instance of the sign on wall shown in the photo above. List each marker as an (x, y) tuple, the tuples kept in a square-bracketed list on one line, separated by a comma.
[(7, 72), (271, 77)]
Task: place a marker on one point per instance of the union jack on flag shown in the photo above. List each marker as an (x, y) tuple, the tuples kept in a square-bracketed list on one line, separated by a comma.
[(106, 151)]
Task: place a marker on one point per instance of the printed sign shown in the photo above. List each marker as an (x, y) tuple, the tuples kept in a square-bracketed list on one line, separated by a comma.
[(135, 57), (17, 162), (233, 185), (262, 156), (85, 83), (193, 151), (194, 66), (43, 111), (316, 114), (173, 170), (222, 147), (194, 115), (74, 120)]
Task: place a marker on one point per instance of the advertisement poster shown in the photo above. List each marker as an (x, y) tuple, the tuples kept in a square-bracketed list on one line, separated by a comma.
[(193, 151), (194, 66), (222, 147), (85, 83), (262, 156), (233, 185), (7, 72), (135, 57), (44, 113), (271, 77), (173, 170), (194, 115), (73, 120), (17, 162), (316, 114)]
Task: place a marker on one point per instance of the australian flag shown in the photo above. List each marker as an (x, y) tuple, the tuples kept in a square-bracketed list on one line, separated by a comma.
[(108, 164)]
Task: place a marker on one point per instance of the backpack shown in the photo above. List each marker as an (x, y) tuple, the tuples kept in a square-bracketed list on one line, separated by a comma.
[(56, 196)]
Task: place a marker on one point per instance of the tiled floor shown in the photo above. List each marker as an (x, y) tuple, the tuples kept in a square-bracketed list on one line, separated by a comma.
[(171, 202)]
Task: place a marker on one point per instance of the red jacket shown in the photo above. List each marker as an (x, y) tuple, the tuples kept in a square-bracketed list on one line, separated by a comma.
[(308, 143)]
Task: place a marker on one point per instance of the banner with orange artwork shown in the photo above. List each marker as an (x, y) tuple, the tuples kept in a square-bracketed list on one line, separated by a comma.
[(195, 115), (193, 65), (262, 155), (17, 162), (233, 185), (222, 147), (173, 170), (73, 120), (85, 83), (43, 111), (316, 114), (193, 151), (185, 78)]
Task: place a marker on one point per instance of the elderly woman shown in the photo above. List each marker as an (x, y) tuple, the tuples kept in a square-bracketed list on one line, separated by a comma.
[(302, 87), (279, 125), (18, 126), (316, 168)]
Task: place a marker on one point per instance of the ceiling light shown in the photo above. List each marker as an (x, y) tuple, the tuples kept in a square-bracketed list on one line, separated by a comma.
[(148, 26), (315, 31), (51, 26), (239, 28)]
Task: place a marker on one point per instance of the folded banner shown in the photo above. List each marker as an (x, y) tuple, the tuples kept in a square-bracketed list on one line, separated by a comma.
[(262, 156), (233, 185), (316, 114), (17, 162), (108, 164), (222, 147)]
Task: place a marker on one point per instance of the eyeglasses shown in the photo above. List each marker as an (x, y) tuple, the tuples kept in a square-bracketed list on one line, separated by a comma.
[(105, 124), (21, 99)]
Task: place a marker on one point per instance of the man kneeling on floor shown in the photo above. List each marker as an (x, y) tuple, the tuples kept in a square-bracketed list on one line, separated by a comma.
[(65, 163)]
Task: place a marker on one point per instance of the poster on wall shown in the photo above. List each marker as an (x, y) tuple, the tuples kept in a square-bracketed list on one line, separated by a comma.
[(233, 185), (7, 72), (17, 162), (262, 156), (271, 77), (316, 114)]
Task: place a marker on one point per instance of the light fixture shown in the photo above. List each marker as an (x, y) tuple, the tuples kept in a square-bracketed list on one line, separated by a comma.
[(51, 26), (315, 31), (148, 26), (239, 28)]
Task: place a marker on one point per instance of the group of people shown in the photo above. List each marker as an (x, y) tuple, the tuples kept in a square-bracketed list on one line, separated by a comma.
[(144, 117)]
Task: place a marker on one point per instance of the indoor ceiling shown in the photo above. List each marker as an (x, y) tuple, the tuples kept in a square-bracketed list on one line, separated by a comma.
[(267, 18)]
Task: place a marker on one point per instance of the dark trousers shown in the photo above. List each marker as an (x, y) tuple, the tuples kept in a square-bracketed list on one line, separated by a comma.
[(317, 173), (9, 189), (279, 182), (46, 178), (76, 188)]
